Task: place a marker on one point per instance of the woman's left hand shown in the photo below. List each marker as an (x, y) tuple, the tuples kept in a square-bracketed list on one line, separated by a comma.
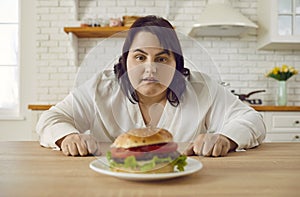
[(208, 144)]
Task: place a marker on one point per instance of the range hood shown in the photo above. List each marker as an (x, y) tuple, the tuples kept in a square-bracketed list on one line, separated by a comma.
[(220, 19)]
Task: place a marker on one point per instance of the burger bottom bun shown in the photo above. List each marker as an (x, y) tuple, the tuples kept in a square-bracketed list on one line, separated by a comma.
[(160, 168)]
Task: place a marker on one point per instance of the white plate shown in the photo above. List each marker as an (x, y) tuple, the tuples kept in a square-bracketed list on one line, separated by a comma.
[(100, 165)]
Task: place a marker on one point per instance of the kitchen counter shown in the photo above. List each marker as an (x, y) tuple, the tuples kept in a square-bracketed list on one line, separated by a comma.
[(272, 169), (275, 108), (256, 107), (39, 107)]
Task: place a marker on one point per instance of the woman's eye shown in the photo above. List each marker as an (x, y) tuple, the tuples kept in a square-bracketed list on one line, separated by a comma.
[(140, 58), (161, 59)]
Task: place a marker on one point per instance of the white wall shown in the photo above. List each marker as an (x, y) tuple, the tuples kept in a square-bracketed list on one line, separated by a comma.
[(238, 59), (48, 69)]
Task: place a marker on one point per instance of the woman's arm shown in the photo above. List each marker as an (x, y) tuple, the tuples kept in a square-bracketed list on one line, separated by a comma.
[(236, 120), (230, 123), (58, 122)]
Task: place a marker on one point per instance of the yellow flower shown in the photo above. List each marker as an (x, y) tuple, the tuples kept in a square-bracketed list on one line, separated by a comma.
[(276, 70), (285, 68)]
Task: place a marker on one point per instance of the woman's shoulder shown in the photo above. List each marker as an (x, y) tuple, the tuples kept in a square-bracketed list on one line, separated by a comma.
[(103, 78), (203, 82), (106, 75), (106, 83), (197, 77), (100, 80), (91, 80)]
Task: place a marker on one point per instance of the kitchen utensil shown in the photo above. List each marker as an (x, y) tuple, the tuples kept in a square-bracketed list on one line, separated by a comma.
[(244, 97)]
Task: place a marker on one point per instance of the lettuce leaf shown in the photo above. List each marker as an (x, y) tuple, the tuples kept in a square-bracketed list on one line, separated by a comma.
[(131, 162), (180, 162)]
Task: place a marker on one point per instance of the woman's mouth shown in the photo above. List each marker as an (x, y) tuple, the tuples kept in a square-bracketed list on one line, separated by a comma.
[(150, 79)]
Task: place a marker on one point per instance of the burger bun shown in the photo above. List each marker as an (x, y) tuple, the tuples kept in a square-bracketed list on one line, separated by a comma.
[(142, 137)]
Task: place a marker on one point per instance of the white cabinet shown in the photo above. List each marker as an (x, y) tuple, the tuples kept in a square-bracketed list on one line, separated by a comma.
[(279, 24), (282, 126)]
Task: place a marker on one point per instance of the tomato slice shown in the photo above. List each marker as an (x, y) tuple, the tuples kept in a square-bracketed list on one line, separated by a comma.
[(122, 153), (156, 148), (139, 151)]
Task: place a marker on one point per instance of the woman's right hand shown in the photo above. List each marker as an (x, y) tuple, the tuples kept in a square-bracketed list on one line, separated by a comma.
[(79, 145)]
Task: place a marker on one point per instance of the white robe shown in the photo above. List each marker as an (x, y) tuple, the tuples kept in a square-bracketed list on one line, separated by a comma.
[(100, 107)]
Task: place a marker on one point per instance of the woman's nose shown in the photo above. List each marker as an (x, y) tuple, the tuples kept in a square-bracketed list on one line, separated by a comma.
[(150, 67)]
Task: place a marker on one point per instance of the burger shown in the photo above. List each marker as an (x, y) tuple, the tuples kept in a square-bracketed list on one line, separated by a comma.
[(145, 150)]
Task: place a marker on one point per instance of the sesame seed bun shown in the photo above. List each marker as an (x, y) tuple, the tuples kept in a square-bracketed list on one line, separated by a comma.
[(142, 137)]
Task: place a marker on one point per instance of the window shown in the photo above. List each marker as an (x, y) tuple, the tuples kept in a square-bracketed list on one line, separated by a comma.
[(288, 17), (9, 58)]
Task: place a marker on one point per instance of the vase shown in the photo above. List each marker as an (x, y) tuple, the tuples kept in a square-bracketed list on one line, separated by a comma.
[(281, 94)]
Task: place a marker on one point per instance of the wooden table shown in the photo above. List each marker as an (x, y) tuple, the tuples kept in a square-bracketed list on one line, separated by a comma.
[(272, 169)]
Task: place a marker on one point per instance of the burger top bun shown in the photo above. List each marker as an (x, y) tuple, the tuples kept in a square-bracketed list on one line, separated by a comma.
[(142, 136)]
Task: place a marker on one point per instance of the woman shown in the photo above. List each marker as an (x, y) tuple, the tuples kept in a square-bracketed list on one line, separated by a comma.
[(151, 87)]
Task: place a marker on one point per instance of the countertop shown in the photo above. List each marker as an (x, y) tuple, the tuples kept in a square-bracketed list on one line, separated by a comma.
[(256, 107), (275, 108), (272, 169)]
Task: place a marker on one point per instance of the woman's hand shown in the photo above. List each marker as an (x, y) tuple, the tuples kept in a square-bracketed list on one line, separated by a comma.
[(208, 144), (79, 144)]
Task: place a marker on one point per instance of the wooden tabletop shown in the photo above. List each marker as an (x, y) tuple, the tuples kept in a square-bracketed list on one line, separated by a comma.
[(272, 169)]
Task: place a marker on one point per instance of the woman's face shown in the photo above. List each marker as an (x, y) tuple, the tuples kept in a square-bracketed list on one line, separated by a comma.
[(150, 67)]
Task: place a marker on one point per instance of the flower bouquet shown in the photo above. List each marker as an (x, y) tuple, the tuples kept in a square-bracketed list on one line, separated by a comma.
[(283, 73)]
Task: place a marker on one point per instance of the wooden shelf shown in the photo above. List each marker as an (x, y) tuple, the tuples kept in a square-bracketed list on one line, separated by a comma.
[(97, 32)]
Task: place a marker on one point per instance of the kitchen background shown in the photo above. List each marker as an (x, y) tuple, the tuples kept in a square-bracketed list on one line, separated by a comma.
[(52, 76)]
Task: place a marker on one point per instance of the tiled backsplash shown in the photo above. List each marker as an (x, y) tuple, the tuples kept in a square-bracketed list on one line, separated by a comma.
[(238, 60)]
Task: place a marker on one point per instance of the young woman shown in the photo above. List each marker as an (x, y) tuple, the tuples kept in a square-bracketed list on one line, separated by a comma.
[(151, 87)]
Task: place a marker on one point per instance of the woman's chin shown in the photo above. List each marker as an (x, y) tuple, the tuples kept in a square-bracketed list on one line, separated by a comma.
[(151, 90)]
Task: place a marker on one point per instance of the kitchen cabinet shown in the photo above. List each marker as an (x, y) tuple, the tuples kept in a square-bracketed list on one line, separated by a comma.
[(279, 24), (282, 126)]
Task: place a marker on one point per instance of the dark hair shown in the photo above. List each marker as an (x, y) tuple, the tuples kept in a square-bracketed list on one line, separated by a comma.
[(168, 39)]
